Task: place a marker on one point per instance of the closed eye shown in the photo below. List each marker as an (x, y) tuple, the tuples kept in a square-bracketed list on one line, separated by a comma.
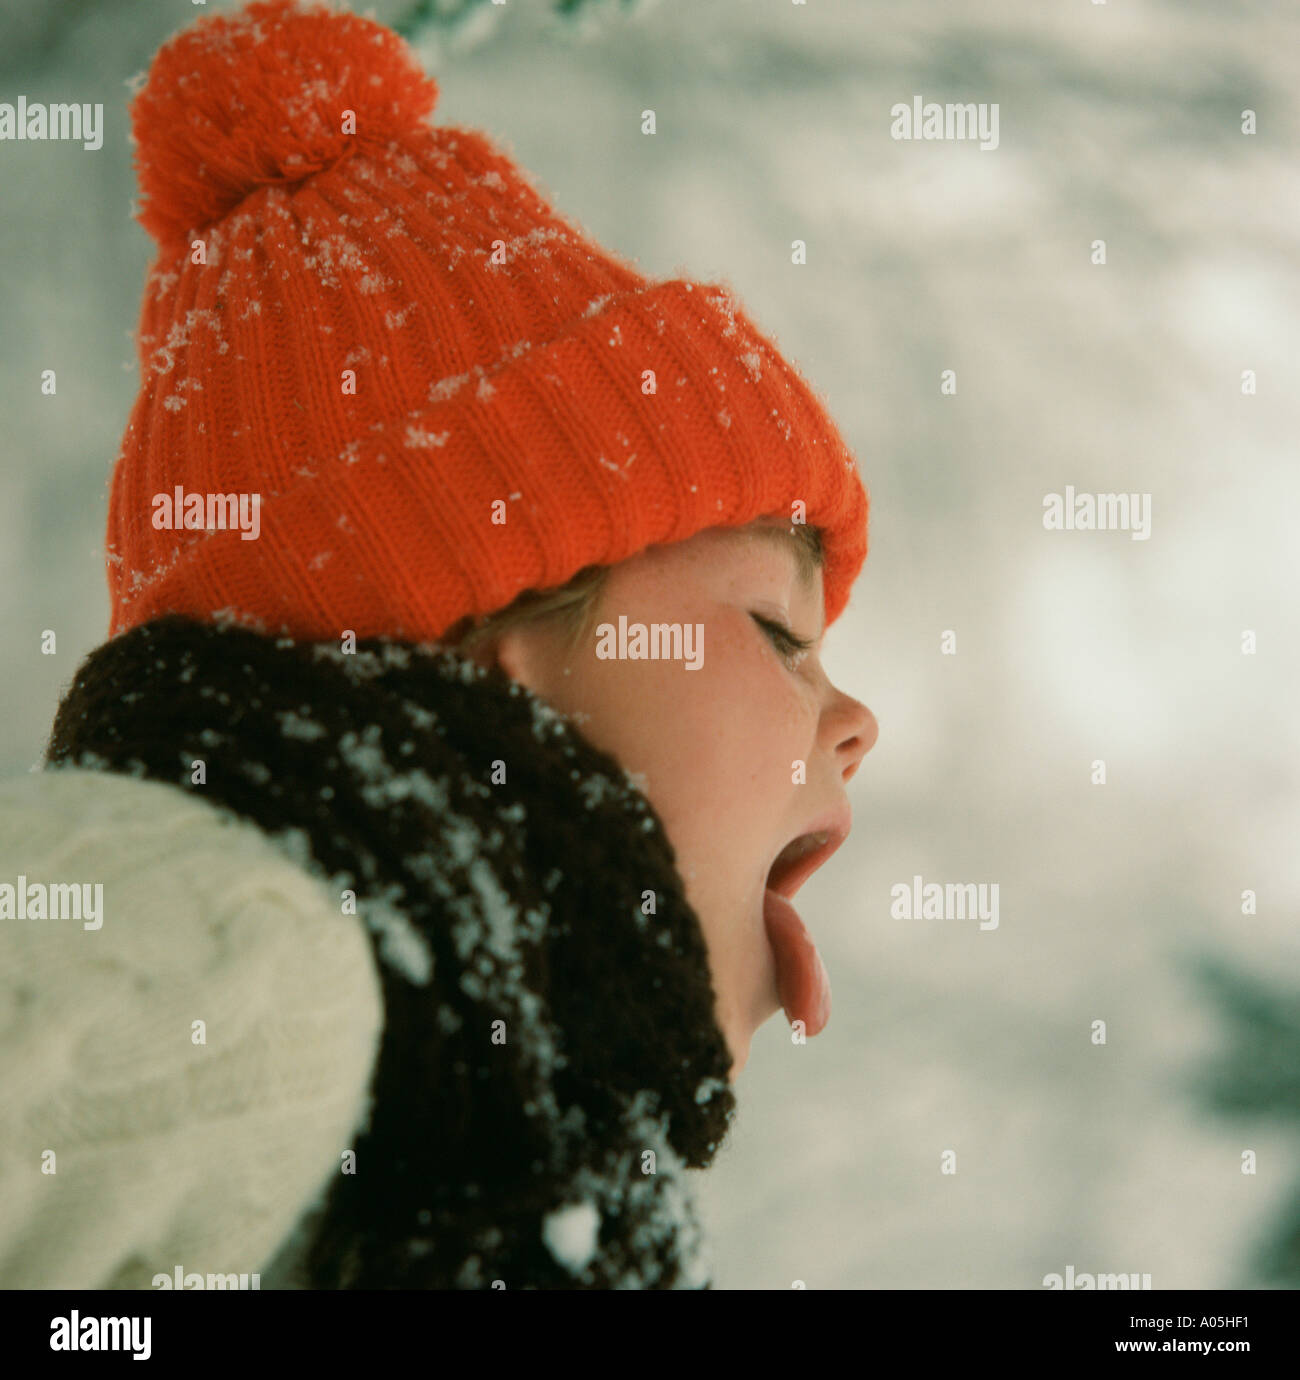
[(786, 643)]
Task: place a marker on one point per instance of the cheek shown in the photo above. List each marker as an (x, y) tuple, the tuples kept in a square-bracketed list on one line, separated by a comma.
[(728, 730), (764, 707), (730, 733), (714, 744)]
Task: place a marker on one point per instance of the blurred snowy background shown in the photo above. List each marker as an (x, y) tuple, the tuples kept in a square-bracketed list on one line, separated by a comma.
[(1118, 121)]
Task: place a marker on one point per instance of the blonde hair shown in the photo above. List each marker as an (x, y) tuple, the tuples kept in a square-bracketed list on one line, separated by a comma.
[(573, 604)]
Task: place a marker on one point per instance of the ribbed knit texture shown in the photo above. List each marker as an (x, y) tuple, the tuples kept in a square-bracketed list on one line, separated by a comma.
[(526, 403), (168, 1152), (551, 1060)]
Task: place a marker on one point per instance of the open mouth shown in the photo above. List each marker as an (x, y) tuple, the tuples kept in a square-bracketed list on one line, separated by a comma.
[(801, 976), (804, 854)]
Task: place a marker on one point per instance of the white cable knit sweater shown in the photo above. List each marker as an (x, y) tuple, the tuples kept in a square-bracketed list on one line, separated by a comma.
[(125, 1146)]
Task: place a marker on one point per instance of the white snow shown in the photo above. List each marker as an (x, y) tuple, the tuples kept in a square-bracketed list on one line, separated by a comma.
[(424, 439), (571, 1235), (400, 943), (296, 726)]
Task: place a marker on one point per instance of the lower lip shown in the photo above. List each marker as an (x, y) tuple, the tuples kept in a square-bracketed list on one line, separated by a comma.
[(800, 973)]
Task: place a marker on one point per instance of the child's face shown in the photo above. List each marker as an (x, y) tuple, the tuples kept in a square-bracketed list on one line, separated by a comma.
[(714, 749)]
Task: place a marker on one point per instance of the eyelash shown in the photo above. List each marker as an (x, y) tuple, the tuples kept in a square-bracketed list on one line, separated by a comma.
[(782, 638)]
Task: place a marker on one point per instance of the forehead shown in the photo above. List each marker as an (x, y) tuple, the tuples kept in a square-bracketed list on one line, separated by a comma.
[(726, 557), (732, 549), (777, 536)]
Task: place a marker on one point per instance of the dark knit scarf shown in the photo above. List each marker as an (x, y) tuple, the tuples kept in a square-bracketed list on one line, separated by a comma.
[(561, 1064)]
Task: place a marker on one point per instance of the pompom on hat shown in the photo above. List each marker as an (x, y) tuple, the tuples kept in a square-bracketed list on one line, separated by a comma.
[(440, 391)]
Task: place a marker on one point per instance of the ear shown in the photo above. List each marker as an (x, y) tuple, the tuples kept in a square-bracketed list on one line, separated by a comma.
[(507, 650), (514, 650)]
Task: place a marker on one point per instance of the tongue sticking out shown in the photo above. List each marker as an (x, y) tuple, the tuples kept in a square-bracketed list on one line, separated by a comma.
[(800, 974)]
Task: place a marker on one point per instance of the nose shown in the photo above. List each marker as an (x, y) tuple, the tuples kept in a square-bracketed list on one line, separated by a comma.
[(852, 730)]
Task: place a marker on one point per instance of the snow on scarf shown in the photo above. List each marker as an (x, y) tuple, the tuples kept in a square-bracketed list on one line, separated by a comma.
[(551, 1061)]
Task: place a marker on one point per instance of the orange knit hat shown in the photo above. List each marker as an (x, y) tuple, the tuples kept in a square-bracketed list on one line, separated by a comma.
[(441, 393)]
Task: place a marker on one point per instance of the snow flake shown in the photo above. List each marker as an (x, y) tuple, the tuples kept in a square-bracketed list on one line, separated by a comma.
[(753, 363), (232, 617), (418, 715), (178, 337), (533, 243), (296, 845), (416, 782), (595, 790), (91, 760), (446, 388), (464, 840), (362, 752), (708, 1089), (401, 945), (419, 437), (535, 921), (498, 911), (544, 716), (570, 1235)]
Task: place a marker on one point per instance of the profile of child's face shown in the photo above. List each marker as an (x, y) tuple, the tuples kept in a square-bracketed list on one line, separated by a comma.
[(715, 748)]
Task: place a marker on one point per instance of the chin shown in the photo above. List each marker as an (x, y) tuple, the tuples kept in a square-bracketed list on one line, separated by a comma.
[(739, 1058)]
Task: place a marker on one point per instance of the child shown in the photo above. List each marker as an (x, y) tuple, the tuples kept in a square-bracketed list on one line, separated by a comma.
[(446, 813)]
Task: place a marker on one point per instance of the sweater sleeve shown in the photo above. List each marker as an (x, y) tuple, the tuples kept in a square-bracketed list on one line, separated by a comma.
[(183, 1065)]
